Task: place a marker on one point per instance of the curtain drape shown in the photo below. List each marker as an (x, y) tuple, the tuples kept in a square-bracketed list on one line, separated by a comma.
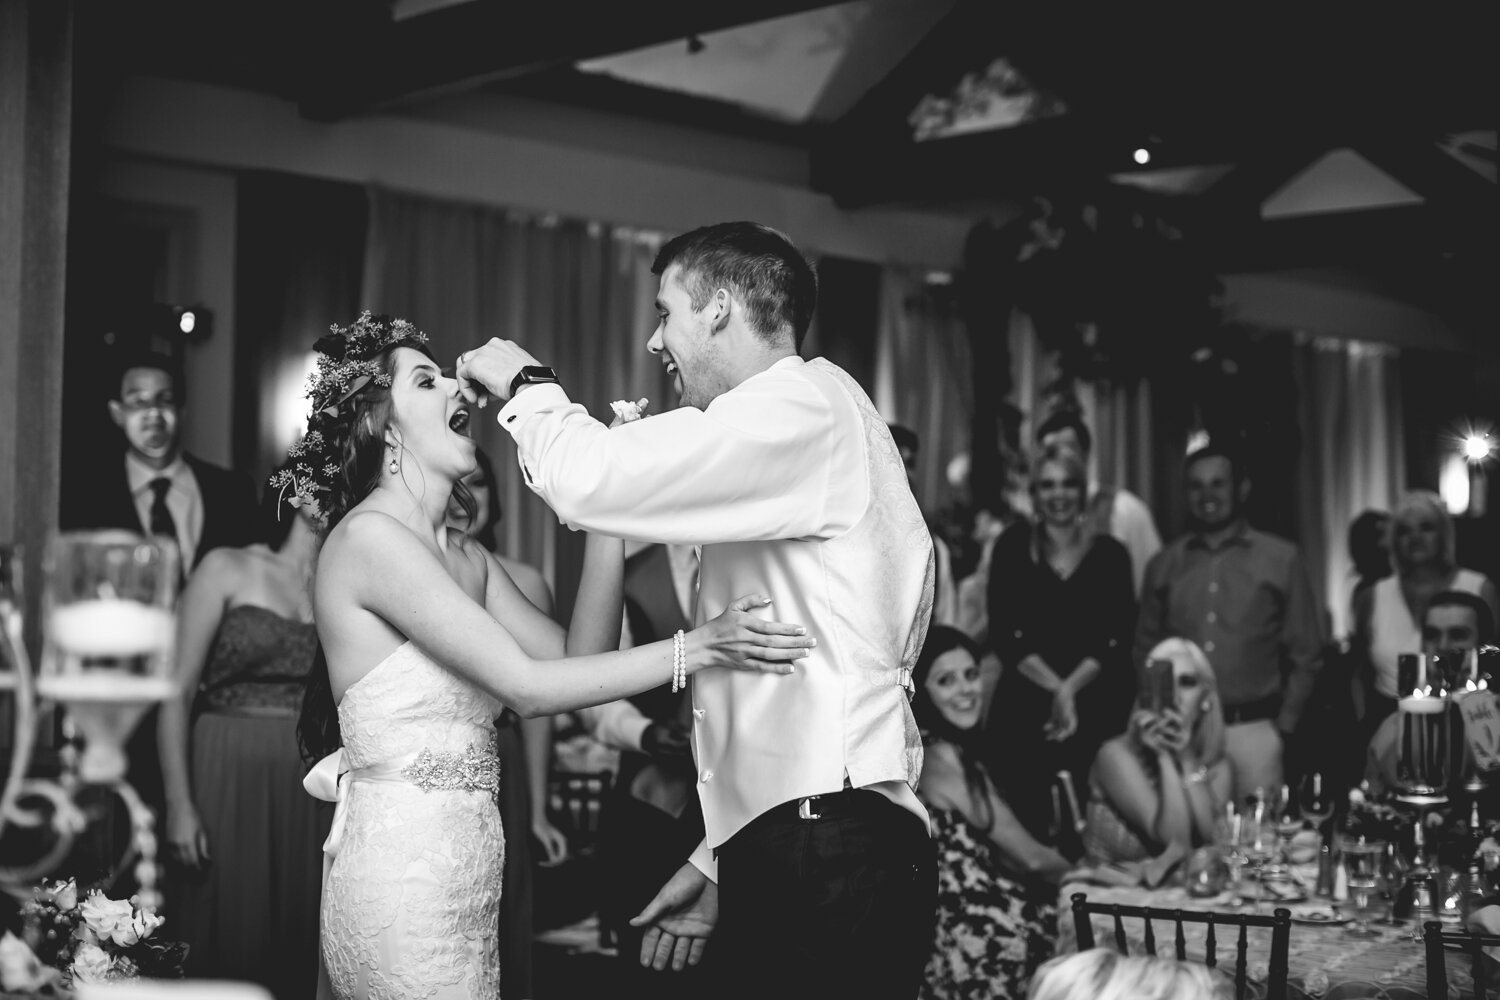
[(1119, 414), (578, 295), (1349, 400), (922, 379)]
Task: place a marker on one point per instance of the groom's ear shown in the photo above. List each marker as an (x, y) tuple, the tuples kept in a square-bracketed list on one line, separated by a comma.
[(720, 307)]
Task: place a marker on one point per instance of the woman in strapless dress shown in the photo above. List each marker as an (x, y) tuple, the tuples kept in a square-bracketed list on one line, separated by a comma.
[(241, 835), (423, 638)]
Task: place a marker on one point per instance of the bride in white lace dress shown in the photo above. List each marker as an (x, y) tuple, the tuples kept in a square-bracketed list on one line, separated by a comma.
[(423, 636)]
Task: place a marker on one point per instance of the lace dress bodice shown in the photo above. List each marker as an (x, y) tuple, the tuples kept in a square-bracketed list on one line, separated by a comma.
[(411, 904), (407, 704)]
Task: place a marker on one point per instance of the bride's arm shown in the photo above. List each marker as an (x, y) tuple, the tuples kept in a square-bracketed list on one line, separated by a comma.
[(595, 626), (384, 569)]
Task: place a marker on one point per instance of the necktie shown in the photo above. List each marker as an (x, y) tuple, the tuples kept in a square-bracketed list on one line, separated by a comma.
[(162, 522)]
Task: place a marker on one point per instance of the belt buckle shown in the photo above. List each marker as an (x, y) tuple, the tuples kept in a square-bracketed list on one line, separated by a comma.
[(805, 808)]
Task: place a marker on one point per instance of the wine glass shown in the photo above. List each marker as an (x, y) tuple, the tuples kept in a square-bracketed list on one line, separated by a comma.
[(1362, 861), (1315, 799), (1258, 844)]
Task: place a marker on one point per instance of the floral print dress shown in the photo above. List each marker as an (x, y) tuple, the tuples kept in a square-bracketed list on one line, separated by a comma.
[(991, 933)]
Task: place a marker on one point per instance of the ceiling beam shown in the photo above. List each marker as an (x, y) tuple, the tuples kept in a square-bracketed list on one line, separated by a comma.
[(465, 45), (1376, 237), (1463, 197)]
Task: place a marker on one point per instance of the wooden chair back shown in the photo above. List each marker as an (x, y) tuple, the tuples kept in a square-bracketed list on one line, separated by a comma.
[(1472, 943), (1280, 923)]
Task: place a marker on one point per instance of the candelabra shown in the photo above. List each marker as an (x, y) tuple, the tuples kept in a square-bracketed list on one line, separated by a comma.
[(106, 659)]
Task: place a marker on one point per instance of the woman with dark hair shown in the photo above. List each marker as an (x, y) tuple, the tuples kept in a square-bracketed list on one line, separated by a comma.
[(424, 637), (241, 837), (997, 887), (1369, 549), (524, 747), (1062, 612)]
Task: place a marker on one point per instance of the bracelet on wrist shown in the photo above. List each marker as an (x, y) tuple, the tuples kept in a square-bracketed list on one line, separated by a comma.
[(679, 661), (1197, 776)]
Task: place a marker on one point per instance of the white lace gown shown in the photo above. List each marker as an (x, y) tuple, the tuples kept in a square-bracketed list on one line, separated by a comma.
[(411, 903)]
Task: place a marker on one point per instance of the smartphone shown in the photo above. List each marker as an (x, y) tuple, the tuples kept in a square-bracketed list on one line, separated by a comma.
[(1161, 686)]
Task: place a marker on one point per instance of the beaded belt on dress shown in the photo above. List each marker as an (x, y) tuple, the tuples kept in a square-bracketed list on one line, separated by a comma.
[(474, 769)]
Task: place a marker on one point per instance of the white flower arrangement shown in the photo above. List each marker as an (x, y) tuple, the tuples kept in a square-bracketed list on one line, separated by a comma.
[(93, 939)]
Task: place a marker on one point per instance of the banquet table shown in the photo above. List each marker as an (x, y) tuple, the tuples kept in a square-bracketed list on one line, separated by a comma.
[(1324, 961)]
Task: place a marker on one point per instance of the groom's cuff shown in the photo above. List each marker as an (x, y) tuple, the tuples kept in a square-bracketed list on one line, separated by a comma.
[(702, 859), (540, 396)]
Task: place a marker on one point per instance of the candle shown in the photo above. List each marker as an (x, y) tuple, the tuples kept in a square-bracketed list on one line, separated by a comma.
[(111, 628), (1422, 706)]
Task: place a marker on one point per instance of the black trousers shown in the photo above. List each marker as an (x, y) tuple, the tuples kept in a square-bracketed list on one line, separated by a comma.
[(841, 905)]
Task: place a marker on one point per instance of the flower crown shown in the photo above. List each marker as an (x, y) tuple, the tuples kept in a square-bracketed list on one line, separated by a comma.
[(347, 364)]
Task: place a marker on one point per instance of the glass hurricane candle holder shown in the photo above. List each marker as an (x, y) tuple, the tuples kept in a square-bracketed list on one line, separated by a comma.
[(108, 636)]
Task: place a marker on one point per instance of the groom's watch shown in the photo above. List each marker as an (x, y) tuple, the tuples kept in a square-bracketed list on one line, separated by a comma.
[(531, 374)]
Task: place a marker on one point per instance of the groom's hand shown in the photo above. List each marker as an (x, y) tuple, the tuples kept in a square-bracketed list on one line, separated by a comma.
[(681, 917), (489, 369)]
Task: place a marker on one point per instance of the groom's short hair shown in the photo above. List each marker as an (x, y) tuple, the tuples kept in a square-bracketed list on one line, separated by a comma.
[(758, 264)]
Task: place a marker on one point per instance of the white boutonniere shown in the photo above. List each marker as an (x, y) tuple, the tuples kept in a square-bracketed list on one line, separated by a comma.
[(626, 411)]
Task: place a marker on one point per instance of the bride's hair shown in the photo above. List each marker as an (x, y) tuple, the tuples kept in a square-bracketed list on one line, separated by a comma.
[(338, 463)]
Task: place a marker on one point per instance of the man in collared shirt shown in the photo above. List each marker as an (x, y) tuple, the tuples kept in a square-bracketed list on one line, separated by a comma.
[(784, 473), (201, 505), (1244, 597)]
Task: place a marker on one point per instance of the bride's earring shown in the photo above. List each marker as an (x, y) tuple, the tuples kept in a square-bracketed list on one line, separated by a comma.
[(395, 466)]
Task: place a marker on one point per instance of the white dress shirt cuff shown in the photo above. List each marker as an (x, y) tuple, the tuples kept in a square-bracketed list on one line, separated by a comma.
[(702, 859), (541, 396)]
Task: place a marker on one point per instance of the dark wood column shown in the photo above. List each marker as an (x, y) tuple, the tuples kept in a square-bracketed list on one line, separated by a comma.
[(36, 100)]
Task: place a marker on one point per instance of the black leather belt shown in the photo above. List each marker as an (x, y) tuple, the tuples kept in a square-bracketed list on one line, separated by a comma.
[(1253, 711), (832, 805)]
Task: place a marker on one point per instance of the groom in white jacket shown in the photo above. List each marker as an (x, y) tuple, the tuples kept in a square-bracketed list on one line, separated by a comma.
[(817, 875)]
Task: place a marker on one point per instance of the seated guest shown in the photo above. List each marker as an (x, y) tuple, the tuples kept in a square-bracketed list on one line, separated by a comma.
[(1061, 612), (1456, 622), (1162, 784), (1105, 974), (1386, 615), (997, 896)]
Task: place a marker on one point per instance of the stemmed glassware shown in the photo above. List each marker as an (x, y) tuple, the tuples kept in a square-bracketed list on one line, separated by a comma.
[(1258, 837), (1315, 800), (1363, 861)]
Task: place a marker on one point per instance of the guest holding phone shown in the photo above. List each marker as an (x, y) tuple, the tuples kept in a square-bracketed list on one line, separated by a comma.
[(1159, 788)]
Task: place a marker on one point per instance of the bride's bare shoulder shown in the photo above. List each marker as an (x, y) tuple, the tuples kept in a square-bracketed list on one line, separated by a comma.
[(365, 538)]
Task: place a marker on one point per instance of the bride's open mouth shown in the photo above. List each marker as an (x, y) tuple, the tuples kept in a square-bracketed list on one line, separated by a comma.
[(459, 423)]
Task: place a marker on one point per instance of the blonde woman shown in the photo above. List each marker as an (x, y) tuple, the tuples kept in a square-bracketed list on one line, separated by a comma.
[(1163, 783), (1103, 974)]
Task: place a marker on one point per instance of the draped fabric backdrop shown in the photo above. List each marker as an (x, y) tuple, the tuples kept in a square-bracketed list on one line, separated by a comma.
[(922, 379), (1120, 416), (300, 245), (1349, 401), (577, 295)]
